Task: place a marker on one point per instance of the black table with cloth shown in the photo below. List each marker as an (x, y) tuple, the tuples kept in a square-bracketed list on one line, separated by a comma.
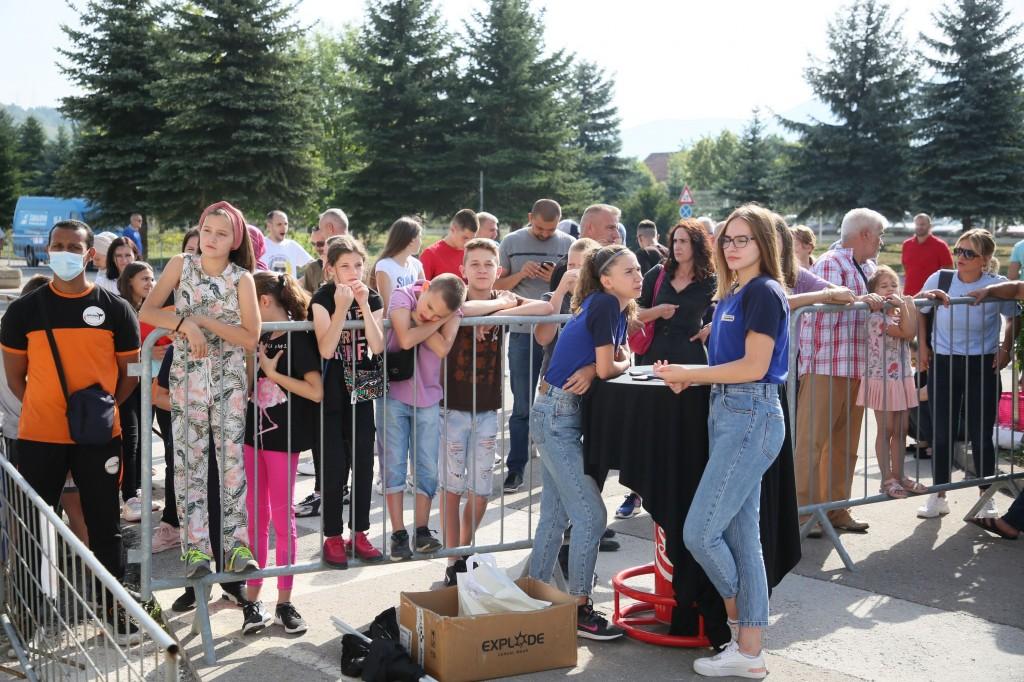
[(658, 440)]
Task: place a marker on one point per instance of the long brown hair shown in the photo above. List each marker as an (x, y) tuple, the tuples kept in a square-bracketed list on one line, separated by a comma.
[(787, 259), (401, 234), (124, 281), (284, 289), (243, 256), (762, 227), (703, 267), (589, 281), (112, 272)]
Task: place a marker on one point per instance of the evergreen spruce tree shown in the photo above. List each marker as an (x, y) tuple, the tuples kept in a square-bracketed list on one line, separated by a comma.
[(111, 60), (57, 154), (403, 115), (597, 135), (240, 125), (753, 177), (32, 157), (9, 185), (971, 162), (519, 133), (863, 157)]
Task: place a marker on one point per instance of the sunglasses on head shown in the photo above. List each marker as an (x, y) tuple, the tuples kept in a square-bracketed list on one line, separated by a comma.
[(969, 254)]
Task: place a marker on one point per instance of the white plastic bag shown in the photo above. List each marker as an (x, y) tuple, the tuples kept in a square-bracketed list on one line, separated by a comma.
[(484, 588)]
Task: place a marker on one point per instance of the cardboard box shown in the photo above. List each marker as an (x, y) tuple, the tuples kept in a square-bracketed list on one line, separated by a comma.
[(463, 649)]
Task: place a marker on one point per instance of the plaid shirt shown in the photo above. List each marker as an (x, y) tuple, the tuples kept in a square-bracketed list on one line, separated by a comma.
[(836, 343)]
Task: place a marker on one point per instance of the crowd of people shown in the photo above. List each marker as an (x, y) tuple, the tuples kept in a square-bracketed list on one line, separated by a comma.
[(236, 405)]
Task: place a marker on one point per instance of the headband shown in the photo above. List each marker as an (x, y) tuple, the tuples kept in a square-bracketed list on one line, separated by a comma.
[(610, 260), (234, 217)]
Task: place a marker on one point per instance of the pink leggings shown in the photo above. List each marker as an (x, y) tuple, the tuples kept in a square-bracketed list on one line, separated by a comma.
[(270, 481)]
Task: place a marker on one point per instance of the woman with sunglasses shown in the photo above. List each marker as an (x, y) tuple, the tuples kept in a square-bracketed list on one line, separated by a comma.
[(968, 357)]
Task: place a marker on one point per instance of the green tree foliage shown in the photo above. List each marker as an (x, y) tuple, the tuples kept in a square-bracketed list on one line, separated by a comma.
[(519, 132), (707, 166), (971, 162), (752, 178), (863, 158), (58, 153), (9, 180), (32, 157), (240, 118), (402, 114), (112, 61), (652, 201), (596, 124)]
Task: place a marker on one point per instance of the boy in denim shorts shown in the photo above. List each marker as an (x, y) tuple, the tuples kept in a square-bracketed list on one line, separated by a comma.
[(469, 427)]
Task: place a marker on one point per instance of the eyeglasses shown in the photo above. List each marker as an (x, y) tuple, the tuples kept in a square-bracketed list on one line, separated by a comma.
[(319, 245), (969, 254), (738, 242)]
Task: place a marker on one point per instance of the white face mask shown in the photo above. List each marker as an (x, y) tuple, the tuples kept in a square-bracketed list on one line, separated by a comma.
[(66, 265)]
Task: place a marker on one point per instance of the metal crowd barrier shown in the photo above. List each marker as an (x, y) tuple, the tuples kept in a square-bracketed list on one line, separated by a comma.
[(379, 534), (55, 592), (820, 472)]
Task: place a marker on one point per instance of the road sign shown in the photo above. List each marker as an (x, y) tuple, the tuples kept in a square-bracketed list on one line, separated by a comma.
[(685, 211), (685, 197)]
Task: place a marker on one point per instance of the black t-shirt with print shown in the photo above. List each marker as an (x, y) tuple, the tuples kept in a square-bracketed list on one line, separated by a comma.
[(298, 357), (353, 344)]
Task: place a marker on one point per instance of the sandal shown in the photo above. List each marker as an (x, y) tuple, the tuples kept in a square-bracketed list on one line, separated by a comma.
[(893, 489), (990, 526), (913, 487)]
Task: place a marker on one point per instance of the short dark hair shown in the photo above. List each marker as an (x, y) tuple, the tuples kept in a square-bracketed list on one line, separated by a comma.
[(71, 224), (548, 209), (34, 282), (467, 220), (646, 226), (451, 289)]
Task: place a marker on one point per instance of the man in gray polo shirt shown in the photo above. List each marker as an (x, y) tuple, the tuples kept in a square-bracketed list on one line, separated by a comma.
[(527, 258)]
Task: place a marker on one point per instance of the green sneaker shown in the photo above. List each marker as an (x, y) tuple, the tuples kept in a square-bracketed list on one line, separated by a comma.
[(197, 564), (240, 560)]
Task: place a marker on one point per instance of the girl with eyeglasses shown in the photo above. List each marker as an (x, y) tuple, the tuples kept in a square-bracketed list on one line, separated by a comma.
[(747, 362)]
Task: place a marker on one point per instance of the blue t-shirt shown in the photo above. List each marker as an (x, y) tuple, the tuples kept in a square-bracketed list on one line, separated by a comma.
[(761, 307), (598, 323)]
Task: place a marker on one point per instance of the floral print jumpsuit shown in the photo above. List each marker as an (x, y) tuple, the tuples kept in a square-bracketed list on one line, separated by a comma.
[(209, 393)]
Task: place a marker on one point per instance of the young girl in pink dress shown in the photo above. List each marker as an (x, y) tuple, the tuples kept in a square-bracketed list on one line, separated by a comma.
[(888, 387)]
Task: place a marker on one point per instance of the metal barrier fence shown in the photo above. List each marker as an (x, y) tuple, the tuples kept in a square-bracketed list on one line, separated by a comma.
[(61, 605), (501, 538), (827, 391)]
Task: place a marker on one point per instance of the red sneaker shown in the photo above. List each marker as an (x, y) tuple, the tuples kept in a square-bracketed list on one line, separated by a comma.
[(364, 549), (334, 552)]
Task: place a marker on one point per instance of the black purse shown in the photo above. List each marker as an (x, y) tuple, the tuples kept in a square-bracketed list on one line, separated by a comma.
[(401, 364), (90, 411)]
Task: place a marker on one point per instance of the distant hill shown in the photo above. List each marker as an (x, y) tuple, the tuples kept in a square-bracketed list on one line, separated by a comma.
[(48, 117), (669, 135)]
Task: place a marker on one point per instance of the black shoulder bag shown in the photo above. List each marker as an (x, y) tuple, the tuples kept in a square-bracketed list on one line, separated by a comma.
[(90, 411), (945, 282)]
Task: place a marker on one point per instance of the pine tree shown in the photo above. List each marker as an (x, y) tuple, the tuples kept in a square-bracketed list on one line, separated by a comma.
[(863, 158), (9, 180), (240, 125), (112, 63), (57, 154), (403, 115), (971, 162), (32, 159), (596, 123), (753, 177), (519, 134)]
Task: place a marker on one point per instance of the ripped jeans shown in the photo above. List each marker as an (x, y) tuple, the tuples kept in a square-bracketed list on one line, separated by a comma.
[(467, 451)]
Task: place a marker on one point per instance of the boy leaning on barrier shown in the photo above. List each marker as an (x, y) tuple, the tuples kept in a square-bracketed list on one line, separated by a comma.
[(469, 424)]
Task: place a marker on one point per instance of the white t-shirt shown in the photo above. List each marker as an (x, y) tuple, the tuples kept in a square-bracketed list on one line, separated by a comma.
[(104, 282), (401, 276), (287, 257)]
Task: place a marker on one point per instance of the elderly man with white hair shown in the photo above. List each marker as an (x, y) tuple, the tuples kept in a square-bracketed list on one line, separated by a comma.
[(833, 348)]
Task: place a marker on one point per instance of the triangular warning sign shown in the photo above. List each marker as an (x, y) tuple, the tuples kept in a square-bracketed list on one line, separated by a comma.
[(685, 197)]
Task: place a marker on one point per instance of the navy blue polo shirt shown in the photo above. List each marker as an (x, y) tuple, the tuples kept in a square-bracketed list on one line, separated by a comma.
[(598, 323), (761, 307)]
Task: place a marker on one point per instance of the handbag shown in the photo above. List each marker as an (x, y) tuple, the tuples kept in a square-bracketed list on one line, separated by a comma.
[(401, 364), (640, 340), (90, 411)]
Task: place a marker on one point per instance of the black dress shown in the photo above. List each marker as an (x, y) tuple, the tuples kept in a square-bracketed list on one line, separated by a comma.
[(672, 336)]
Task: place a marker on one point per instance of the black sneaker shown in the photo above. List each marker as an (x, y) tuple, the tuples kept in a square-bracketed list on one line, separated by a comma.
[(425, 541), (286, 615), (451, 574), (513, 482), (124, 629), (591, 624), (234, 592), (309, 506), (186, 602), (254, 617), (400, 546)]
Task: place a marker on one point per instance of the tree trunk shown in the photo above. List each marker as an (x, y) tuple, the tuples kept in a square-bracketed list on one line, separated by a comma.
[(967, 223)]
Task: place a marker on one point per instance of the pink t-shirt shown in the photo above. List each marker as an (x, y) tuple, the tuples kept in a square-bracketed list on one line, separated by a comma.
[(424, 389)]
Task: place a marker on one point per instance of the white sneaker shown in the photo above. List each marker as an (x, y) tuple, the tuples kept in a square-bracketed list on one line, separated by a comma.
[(131, 510), (989, 511), (934, 507), (731, 663), (306, 468)]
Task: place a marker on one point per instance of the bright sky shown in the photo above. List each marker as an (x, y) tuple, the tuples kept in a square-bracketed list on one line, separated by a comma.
[(671, 58)]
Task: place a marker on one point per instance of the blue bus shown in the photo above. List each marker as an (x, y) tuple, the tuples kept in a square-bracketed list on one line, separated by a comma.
[(33, 218)]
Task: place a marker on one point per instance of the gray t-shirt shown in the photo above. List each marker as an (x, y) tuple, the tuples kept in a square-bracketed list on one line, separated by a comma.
[(521, 246), (549, 349)]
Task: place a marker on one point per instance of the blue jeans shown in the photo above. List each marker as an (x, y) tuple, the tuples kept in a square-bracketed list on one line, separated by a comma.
[(722, 529), (400, 443), (523, 375), (568, 495)]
